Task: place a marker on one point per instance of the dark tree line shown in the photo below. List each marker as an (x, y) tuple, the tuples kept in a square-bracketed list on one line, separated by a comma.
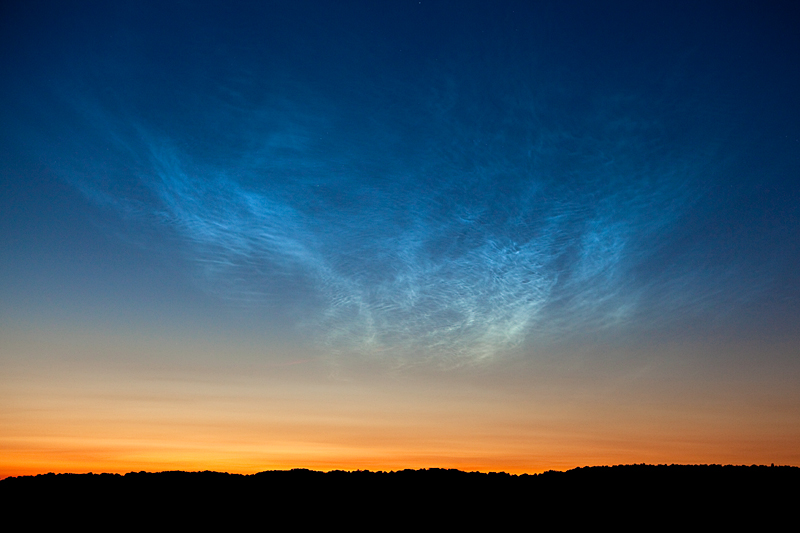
[(704, 494)]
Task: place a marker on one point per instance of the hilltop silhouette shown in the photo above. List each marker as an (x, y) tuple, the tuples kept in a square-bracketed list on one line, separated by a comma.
[(670, 491)]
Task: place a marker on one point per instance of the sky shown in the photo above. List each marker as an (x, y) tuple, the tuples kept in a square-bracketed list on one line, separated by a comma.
[(513, 236)]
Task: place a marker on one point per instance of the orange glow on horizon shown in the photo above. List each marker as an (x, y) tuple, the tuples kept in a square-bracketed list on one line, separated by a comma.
[(82, 416)]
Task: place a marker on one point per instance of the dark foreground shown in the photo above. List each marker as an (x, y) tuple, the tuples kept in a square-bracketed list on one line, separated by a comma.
[(711, 493)]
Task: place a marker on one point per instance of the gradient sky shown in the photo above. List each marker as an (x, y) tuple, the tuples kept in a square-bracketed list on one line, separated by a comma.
[(485, 235)]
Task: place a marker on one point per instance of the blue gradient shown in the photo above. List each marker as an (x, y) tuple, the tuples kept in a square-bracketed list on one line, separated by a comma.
[(416, 185)]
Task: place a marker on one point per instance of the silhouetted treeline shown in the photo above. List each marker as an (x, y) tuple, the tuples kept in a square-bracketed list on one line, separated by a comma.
[(668, 491)]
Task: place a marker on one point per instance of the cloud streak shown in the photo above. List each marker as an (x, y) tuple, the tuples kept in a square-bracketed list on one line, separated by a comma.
[(451, 226)]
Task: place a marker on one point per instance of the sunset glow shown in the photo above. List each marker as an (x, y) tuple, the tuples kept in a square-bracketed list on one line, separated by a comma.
[(504, 236)]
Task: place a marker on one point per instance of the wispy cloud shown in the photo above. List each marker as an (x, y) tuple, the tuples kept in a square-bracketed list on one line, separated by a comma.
[(454, 241)]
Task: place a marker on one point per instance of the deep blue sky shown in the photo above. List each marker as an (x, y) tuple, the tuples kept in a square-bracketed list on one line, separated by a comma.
[(446, 180), (486, 235)]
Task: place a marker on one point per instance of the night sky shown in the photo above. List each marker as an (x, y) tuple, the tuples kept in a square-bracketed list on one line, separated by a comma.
[(484, 235)]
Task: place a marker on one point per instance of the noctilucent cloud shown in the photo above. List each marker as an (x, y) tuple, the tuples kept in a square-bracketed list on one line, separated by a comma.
[(455, 184), (427, 181)]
